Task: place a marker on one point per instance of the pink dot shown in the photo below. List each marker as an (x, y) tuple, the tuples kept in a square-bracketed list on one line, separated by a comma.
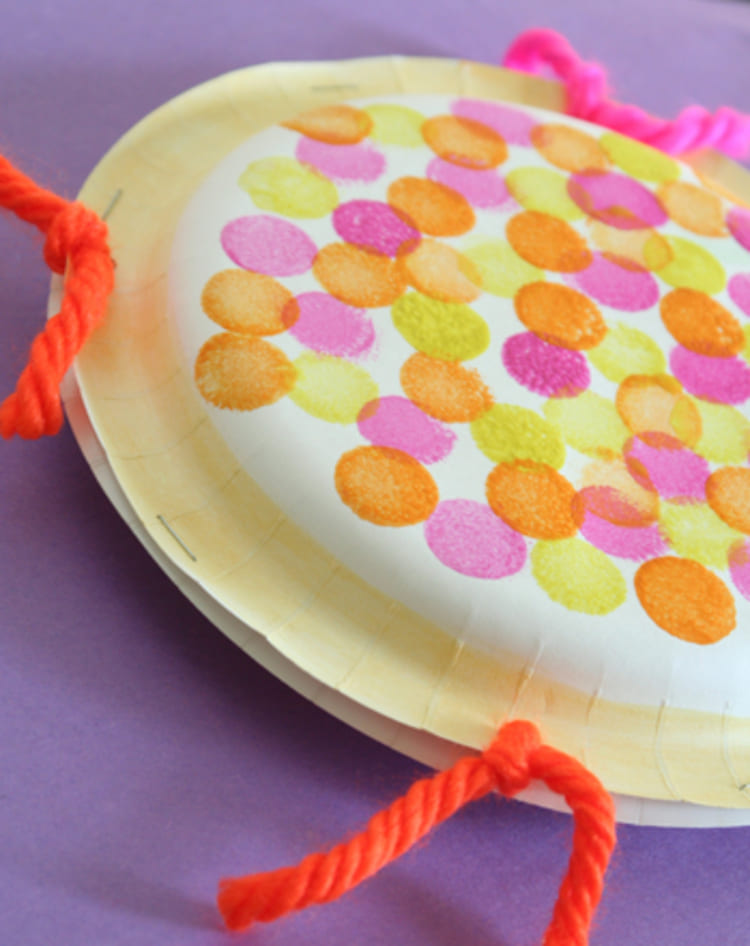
[(469, 538), (327, 325), (739, 292), (738, 221), (268, 245), (397, 422), (543, 368), (616, 200), (483, 189), (375, 226), (361, 162), (628, 290), (662, 464), (722, 380), (636, 544), (515, 126), (739, 566)]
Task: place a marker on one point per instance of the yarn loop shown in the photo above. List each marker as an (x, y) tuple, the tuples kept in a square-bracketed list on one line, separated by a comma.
[(76, 242), (515, 756)]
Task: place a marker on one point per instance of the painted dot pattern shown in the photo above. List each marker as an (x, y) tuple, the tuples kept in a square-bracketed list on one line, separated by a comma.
[(553, 314)]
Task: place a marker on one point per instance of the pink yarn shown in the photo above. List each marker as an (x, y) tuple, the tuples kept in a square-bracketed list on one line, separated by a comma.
[(538, 51)]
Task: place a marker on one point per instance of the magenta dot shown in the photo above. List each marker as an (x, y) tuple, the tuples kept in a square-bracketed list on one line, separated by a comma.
[(662, 464), (328, 326), (268, 245), (739, 566), (634, 543), (738, 221), (628, 290), (739, 292), (469, 538), (514, 126), (374, 226), (343, 163), (616, 200), (543, 368), (722, 380), (397, 422), (483, 189)]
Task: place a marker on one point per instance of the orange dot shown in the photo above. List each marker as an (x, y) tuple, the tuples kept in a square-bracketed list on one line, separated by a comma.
[(701, 324), (694, 208), (432, 207), (438, 270), (357, 277), (243, 372), (385, 486), (686, 599), (638, 249), (610, 492), (569, 148), (728, 494), (333, 124), (560, 315), (548, 242), (249, 303), (532, 498), (445, 390), (464, 141), (657, 403)]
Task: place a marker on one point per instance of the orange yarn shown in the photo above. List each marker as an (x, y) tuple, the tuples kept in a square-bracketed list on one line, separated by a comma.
[(514, 758), (76, 237)]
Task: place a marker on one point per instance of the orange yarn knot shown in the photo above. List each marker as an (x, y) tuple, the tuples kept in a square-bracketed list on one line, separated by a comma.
[(510, 756), (76, 242), (72, 229), (515, 757)]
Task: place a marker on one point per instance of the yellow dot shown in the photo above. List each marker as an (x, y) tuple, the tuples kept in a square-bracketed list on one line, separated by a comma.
[(446, 330), (544, 190), (626, 351), (692, 267), (502, 272), (639, 160), (725, 436), (589, 423), (578, 576), (506, 432), (697, 532), (396, 125), (332, 389), (289, 188)]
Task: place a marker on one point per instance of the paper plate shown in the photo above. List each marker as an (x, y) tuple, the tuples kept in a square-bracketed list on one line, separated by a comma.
[(657, 716)]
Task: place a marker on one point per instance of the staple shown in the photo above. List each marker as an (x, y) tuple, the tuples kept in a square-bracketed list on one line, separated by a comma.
[(112, 204), (176, 537)]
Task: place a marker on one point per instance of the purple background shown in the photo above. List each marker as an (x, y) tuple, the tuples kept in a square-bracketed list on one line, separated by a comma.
[(142, 756)]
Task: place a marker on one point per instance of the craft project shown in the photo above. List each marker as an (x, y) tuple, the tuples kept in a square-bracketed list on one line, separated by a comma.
[(443, 395)]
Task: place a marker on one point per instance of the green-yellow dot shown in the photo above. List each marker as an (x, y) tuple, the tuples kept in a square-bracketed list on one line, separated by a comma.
[(745, 353), (332, 389), (626, 351), (578, 576), (446, 330), (396, 125), (502, 272), (289, 188), (639, 160), (506, 432), (544, 190), (725, 436), (692, 267), (697, 532), (589, 423)]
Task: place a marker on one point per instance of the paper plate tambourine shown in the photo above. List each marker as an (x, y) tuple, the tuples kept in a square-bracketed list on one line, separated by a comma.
[(437, 401)]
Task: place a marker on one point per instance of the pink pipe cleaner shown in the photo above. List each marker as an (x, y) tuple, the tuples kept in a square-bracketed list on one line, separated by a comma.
[(537, 51)]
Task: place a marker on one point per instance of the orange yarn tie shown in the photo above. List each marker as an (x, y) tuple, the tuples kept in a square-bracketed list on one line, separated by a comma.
[(76, 238), (514, 758)]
